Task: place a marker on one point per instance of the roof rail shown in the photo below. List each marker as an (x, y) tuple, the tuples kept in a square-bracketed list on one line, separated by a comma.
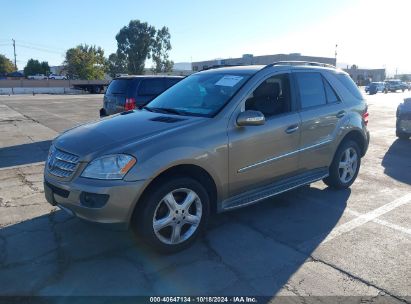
[(304, 63), (217, 66)]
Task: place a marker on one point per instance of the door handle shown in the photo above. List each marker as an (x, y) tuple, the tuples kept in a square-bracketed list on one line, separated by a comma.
[(291, 129), (341, 114)]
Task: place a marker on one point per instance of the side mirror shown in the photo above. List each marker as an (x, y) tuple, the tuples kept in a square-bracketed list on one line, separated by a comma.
[(250, 118)]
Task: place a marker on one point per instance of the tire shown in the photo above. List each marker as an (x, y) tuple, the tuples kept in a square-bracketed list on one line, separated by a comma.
[(164, 206), (351, 168)]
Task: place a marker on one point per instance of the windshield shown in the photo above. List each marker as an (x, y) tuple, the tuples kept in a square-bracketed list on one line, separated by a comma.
[(202, 94)]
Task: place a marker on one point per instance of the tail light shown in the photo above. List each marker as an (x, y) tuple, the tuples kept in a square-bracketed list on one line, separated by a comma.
[(130, 104), (365, 117)]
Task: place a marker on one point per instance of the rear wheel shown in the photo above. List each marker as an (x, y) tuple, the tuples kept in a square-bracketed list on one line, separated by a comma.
[(173, 215), (345, 166)]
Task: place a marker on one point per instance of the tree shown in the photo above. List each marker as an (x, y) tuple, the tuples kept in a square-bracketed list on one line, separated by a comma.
[(6, 65), (85, 62), (34, 67), (115, 65), (161, 47), (134, 44), (45, 68)]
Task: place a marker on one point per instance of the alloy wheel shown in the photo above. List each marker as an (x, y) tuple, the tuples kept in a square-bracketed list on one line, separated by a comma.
[(177, 216), (348, 165)]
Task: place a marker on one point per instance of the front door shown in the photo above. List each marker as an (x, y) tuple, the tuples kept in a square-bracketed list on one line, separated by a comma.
[(259, 155)]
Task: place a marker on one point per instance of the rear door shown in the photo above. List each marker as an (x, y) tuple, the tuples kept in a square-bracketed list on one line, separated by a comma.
[(321, 110), (148, 89)]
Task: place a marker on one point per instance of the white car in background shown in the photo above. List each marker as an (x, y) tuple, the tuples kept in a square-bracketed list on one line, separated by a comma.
[(37, 77), (57, 77)]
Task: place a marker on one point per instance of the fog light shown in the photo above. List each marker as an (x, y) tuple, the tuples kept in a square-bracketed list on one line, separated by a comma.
[(93, 200)]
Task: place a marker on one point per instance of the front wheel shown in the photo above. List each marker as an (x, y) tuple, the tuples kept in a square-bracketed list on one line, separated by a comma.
[(172, 216), (345, 166)]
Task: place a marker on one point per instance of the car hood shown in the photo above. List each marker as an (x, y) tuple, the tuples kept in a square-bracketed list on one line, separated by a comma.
[(119, 130)]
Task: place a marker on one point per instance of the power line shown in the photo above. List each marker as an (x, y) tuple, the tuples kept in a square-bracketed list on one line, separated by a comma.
[(43, 46), (38, 49)]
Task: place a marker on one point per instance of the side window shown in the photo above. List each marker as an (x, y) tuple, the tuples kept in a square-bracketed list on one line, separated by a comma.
[(311, 89), (272, 97), (151, 87), (171, 81), (329, 91)]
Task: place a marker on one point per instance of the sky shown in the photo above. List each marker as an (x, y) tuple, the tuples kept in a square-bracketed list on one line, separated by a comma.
[(370, 34)]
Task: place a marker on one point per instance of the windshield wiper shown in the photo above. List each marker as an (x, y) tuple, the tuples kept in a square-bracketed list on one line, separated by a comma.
[(165, 110), (173, 111), (148, 109)]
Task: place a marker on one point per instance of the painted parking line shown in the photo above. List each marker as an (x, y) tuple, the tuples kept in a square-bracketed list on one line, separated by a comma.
[(382, 222), (367, 217)]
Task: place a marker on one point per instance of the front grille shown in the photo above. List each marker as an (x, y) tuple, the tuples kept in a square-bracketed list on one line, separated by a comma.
[(60, 163)]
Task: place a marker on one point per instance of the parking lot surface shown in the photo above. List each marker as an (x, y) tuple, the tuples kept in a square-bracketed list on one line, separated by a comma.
[(313, 241)]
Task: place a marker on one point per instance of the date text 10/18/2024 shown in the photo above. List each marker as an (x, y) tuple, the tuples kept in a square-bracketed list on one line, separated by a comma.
[(204, 299)]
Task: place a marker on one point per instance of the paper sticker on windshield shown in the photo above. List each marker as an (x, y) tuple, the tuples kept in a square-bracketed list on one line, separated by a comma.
[(229, 81)]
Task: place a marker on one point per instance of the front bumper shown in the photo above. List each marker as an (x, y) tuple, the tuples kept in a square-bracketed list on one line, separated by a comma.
[(116, 206)]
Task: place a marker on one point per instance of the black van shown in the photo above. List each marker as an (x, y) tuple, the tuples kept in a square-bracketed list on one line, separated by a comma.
[(130, 92)]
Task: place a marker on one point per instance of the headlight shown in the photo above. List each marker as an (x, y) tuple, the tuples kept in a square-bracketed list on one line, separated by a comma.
[(109, 167)]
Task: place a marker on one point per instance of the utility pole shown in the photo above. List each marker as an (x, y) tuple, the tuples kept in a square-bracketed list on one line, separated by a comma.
[(14, 47)]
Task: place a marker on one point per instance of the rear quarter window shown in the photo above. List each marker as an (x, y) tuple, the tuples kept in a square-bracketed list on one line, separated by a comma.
[(349, 84)]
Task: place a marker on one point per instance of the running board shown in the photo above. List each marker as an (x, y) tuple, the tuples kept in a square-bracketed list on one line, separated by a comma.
[(259, 194)]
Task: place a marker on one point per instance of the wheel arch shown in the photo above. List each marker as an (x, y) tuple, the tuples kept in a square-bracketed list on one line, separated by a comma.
[(358, 137), (186, 170)]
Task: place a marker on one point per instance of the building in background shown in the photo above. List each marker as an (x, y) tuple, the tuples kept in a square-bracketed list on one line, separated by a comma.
[(250, 59), (179, 69), (365, 76), (403, 77)]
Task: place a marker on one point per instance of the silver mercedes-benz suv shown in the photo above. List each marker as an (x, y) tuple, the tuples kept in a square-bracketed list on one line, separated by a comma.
[(219, 139)]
